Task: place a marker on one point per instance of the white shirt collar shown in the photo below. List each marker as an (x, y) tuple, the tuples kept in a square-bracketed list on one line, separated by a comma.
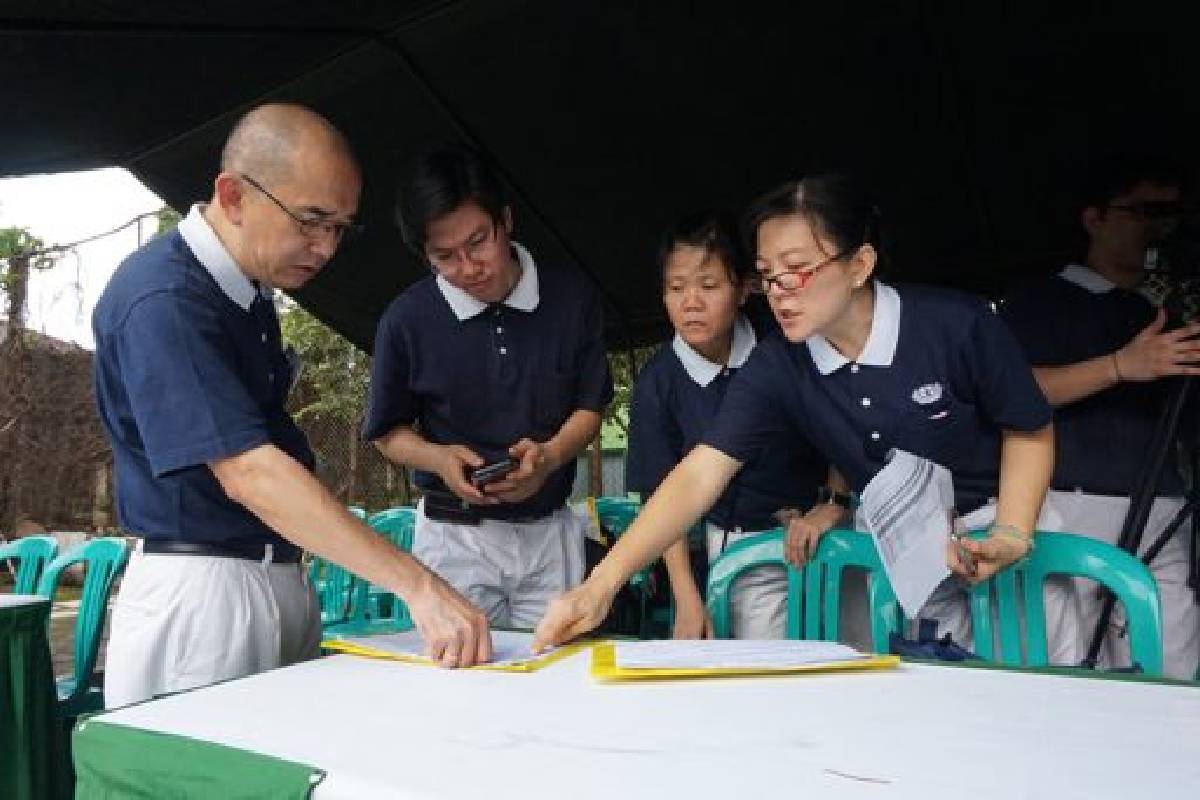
[(703, 371), (202, 240), (523, 297), (880, 348), (1087, 278)]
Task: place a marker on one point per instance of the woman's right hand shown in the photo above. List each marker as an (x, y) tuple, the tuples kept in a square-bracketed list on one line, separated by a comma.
[(572, 614)]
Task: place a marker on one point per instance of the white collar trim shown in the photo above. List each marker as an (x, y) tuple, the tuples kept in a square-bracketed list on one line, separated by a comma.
[(1087, 278), (523, 297), (202, 240), (700, 369), (880, 348)]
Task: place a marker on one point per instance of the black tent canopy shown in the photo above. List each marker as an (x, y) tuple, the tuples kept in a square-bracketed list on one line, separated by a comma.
[(611, 118)]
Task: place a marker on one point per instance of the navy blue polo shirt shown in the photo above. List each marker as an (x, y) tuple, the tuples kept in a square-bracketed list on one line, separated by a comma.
[(1102, 440), (676, 396), (486, 376), (186, 374), (940, 376)]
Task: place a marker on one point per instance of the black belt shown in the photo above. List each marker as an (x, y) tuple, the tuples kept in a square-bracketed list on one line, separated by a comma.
[(1085, 490), (249, 552), (447, 507)]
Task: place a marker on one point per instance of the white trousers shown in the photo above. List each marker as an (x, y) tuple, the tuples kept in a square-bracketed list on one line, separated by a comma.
[(759, 596), (510, 571), (181, 621)]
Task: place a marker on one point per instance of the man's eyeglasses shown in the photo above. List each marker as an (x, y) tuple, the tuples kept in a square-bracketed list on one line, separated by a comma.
[(480, 246), (314, 227), (796, 274), (1151, 210)]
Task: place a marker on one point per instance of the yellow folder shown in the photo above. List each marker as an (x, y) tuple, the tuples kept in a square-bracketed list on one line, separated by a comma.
[(604, 668), (532, 664)]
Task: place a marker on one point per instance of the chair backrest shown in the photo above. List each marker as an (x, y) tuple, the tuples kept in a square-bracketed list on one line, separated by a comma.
[(31, 553), (104, 558), (1072, 555), (839, 549), (397, 524), (760, 550), (615, 513)]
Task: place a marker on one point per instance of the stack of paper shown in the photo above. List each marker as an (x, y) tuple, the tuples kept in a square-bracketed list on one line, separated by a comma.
[(695, 659), (511, 650)]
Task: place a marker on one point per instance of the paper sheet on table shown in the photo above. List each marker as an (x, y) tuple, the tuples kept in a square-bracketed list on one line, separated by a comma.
[(677, 658), (908, 508), (511, 650)]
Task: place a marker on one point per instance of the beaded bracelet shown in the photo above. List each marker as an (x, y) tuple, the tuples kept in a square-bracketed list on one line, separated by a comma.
[(1011, 532)]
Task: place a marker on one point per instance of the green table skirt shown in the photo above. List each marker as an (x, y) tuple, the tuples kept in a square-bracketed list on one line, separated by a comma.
[(31, 762)]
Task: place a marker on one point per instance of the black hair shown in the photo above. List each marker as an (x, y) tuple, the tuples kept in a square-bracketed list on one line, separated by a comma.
[(1114, 176), (836, 206), (713, 231), (438, 182)]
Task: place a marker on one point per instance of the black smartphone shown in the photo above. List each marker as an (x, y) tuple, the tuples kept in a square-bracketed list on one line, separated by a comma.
[(482, 476)]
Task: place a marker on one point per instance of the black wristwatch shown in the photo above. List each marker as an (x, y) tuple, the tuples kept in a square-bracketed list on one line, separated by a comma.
[(827, 495)]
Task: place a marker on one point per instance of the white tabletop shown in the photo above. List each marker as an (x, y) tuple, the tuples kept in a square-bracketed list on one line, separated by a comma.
[(385, 729), (17, 600)]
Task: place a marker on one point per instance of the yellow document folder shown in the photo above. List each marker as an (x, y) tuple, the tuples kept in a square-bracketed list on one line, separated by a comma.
[(606, 668), (510, 650)]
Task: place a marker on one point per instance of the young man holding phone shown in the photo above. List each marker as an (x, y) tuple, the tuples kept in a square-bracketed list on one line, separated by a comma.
[(489, 378)]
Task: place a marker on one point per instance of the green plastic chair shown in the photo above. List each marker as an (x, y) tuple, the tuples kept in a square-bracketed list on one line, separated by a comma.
[(334, 585), (616, 514), (814, 593), (31, 553), (1024, 606), (760, 550), (355, 605), (840, 548), (104, 559), (399, 526)]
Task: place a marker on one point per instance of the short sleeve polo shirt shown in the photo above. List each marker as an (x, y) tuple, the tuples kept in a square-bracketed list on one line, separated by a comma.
[(1101, 440), (486, 376), (189, 369), (940, 376), (677, 395)]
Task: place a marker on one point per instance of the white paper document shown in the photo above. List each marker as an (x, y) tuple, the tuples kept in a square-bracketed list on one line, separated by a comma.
[(908, 508), (508, 647), (730, 654)]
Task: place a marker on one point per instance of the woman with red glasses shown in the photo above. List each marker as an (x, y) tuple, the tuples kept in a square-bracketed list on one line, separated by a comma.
[(864, 370)]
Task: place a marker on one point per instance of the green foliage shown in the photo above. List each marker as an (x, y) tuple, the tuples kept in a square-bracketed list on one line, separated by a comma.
[(333, 380), (616, 417), (16, 243), (168, 219)]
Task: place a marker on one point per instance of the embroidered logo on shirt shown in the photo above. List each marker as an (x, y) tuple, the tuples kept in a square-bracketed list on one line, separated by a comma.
[(929, 393)]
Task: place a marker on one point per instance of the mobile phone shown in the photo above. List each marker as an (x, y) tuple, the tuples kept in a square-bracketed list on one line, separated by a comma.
[(481, 476)]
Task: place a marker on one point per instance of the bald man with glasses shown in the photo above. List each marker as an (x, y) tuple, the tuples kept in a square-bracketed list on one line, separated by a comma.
[(213, 476)]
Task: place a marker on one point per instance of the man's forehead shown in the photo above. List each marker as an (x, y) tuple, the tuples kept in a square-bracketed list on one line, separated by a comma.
[(451, 228), (1148, 190), (330, 194)]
